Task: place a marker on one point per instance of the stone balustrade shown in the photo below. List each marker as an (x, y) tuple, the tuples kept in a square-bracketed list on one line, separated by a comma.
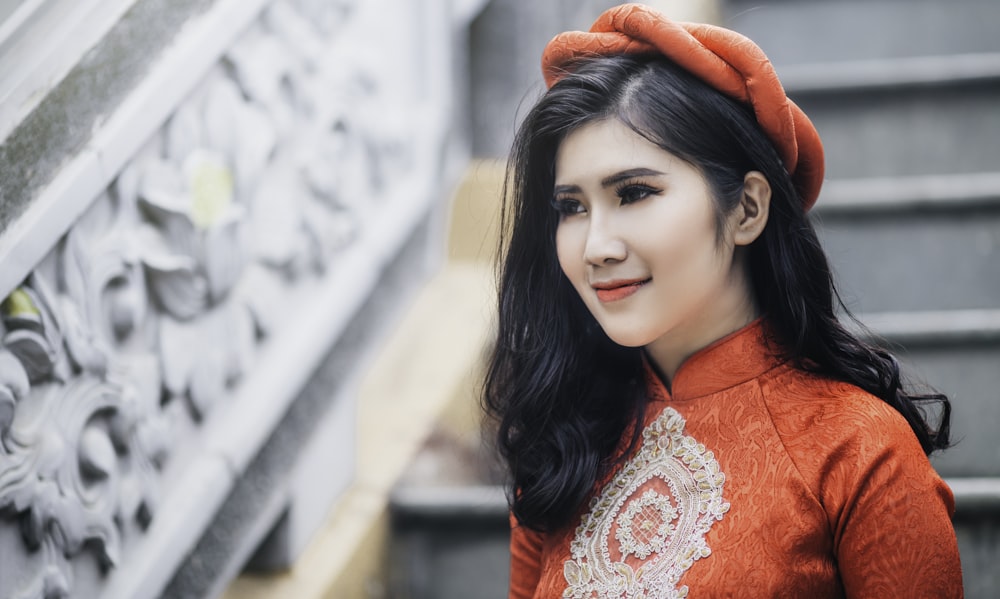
[(175, 275)]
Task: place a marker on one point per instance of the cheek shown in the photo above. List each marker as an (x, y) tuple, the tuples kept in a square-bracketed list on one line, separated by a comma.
[(569, 251)]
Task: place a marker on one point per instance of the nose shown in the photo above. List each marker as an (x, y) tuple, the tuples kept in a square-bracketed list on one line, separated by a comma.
[(604, 245)]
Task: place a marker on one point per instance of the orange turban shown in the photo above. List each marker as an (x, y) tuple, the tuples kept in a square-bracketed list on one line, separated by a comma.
[(729, 62)]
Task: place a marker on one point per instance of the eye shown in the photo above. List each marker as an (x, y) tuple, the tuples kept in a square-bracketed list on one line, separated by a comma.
[(633, 192), (567, 206)]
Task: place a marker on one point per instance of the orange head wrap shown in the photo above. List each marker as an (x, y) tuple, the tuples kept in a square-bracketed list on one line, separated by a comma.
[(724, 59)]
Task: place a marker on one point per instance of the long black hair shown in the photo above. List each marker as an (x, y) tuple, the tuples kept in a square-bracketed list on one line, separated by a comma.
[(560, 393)]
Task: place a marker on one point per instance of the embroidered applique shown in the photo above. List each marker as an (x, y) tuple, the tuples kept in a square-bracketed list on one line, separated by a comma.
[(648, 525)]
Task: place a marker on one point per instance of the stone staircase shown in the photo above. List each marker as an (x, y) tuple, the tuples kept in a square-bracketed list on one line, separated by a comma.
[(906, 96)]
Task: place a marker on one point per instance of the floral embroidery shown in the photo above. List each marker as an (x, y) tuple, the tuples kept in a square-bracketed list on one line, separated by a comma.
[(651, 533), (648, 525)]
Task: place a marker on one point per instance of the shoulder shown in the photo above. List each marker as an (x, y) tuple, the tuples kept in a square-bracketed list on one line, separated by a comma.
[(814, 410), (840, 437), (888, 511)]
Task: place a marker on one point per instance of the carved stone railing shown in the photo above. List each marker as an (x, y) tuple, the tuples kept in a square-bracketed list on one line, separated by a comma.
[(175, 284)]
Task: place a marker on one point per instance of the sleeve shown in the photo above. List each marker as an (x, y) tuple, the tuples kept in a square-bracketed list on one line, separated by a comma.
[(893, 534), (525, 560)]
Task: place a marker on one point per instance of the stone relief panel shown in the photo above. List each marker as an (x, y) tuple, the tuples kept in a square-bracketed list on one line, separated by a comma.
[(150, 310)]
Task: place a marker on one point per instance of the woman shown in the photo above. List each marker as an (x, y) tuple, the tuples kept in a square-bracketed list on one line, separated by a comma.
[(680, 410)]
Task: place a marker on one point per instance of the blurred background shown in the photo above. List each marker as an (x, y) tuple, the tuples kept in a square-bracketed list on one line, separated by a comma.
[(245, 256)]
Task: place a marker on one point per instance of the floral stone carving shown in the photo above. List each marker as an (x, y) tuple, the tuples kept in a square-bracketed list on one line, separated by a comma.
[(151, 308), (81, 433)]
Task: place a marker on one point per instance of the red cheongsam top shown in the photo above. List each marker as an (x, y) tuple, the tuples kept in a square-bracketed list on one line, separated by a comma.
[(755, 479)]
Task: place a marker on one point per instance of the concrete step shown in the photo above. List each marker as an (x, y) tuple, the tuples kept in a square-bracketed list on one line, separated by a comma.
[(452, 542), (928, 242), (808, 31), (907, 116), (956, 352), (449, 543), (977, 525), (927, 193), (936, 329), (975, 497), (890, 74)]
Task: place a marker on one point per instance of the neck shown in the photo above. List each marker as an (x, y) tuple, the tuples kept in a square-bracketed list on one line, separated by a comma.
[(733, 312)]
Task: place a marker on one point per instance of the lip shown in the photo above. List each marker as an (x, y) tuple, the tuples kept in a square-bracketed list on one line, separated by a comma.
[(613, 291)]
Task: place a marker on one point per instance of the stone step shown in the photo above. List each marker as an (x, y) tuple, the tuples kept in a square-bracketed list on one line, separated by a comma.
[(974, 497), (977, 525), (452, 542), (467, 502), (914, 243), (449, 543), (797, 32), (890, 74), (936, 329), (930, 193), (956, 352), (903, 116)]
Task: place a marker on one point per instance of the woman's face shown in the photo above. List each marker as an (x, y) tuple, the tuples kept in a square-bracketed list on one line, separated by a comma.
[(638, 239)]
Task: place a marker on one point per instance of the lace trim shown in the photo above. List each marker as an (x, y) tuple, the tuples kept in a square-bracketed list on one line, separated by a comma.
[(663, 502)]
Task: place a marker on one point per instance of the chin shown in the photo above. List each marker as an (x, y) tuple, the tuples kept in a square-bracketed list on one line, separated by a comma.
[(628, 338)]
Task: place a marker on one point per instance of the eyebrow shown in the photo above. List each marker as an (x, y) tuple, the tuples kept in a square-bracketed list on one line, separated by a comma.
[(612, 180)]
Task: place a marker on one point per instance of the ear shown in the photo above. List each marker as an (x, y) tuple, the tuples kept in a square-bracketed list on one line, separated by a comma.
[(751, 214)]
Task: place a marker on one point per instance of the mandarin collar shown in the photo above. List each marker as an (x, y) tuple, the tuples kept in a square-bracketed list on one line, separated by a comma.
[(738, 357)]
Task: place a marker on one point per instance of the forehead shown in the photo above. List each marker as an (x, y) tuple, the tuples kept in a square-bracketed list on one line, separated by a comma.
[(600, 148)]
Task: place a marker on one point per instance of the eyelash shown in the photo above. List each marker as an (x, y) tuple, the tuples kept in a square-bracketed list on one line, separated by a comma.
[(631, 188), (566, 206), (626, 192)]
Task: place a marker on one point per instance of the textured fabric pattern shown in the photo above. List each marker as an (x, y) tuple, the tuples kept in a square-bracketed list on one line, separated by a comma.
[(729, 62), (827, 494)]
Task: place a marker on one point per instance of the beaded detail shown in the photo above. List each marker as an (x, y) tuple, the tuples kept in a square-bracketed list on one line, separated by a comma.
[(648, 525)]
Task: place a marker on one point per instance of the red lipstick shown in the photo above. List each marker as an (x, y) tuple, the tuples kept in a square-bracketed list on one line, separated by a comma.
[(612, 291)]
